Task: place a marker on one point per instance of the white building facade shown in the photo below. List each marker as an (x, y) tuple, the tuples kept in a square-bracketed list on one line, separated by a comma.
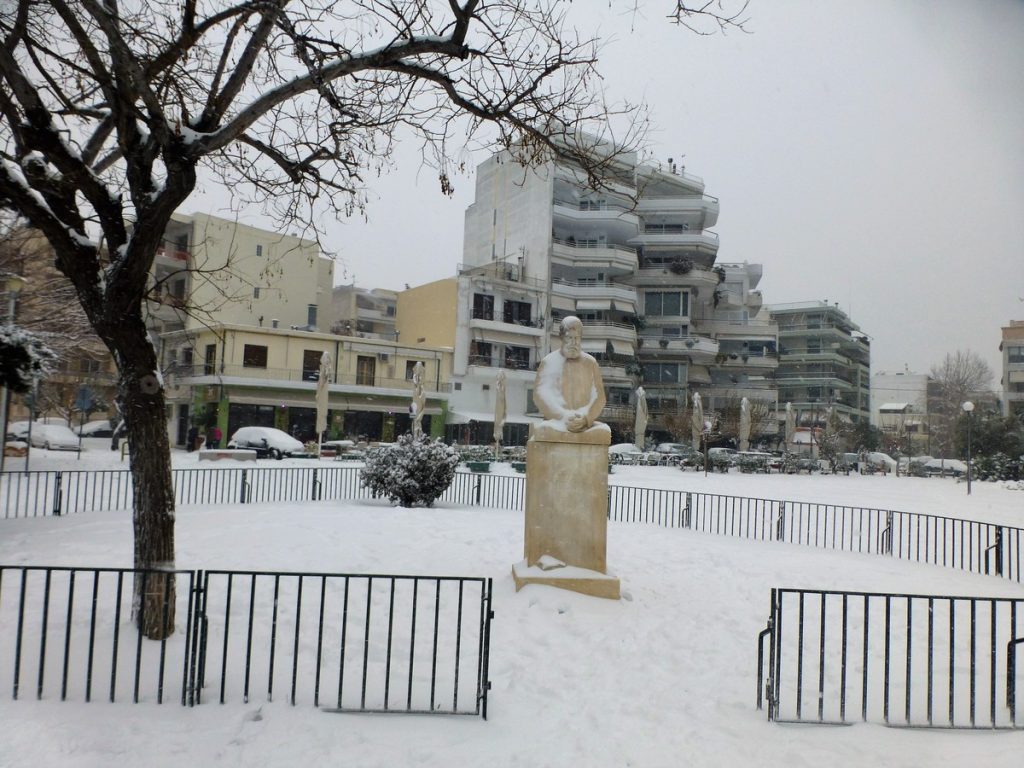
[(635, 261)]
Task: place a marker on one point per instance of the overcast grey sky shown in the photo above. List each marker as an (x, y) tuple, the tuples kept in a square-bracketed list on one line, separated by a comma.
[(864, 151)]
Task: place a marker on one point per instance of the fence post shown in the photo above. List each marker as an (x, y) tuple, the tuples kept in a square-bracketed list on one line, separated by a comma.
[(242, 491), (479, 482), (887, 535), (58, 493), (999, 551), (688, 511), (780, 522), (316, 486)]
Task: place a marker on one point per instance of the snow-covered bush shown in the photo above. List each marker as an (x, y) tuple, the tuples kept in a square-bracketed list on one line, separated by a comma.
[(412, 472), (24, 357), (998, 466), (475, 452)]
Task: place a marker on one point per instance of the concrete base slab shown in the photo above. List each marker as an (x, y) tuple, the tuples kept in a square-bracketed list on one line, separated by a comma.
[(582, 580)]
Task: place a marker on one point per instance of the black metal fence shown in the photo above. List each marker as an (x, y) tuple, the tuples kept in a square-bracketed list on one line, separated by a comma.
[(968, 545), (906, 660), (347, 642)]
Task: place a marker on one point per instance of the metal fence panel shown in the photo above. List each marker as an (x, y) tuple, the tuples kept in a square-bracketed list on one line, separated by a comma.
[(904, 660), (346, 642), (68, 633)]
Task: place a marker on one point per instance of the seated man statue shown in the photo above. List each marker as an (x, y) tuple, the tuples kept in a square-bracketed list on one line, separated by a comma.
[(569, 388)]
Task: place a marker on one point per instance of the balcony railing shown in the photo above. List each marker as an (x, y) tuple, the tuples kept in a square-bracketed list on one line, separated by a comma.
[(309, 377), (593, 245)]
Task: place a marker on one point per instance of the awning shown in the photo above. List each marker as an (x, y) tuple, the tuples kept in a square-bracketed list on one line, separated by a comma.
[(593, 346), (893, 407), (622, 347), (349, 404), (562, 302), (464, 417), (593, 305), (1016, 376), (624, 305)]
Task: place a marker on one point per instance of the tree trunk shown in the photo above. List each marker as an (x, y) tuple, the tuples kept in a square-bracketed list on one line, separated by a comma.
[(142, 406)]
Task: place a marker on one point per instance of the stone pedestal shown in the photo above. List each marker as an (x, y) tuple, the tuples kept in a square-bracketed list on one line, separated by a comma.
[(567, 510)]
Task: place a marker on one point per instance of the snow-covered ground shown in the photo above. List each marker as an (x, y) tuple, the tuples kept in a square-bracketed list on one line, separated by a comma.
[(664, 677)]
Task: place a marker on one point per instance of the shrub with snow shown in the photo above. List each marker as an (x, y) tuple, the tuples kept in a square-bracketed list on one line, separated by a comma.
[(412, 472)]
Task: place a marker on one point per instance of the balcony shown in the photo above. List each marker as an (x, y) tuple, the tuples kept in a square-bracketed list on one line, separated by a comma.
[(614, 295), (672, 207), (599, 330), (668, 236), (589, 254), (171, 254), (507, 330), (694, 346), (619, 221), (292, 378), (703, 279)]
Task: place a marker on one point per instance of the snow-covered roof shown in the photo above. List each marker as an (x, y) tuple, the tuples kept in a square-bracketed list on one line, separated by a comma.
[(893, 407)]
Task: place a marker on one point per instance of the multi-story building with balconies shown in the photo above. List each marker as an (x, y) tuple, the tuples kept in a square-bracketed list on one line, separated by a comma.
[(244, 375), (635, 261), (824, 361), (1012, 347)]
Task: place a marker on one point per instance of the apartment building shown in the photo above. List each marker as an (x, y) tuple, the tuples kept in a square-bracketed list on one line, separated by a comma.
[(244, 375), (362, 312), (1012, 348), (635, 261), (489, 316), (824, 361), (210, 269)]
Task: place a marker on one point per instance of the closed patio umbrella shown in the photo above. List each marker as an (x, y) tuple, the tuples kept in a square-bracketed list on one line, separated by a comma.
[(322, 383), (640, 425), (697, 421)]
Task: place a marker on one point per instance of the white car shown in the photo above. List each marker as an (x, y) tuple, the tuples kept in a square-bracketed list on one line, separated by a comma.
[(267, 441), (100, 428), (54, 437)]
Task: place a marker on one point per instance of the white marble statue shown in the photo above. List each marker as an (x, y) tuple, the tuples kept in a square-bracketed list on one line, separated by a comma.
[(744, 424), (640, 425), (569, 388), (696, 421)]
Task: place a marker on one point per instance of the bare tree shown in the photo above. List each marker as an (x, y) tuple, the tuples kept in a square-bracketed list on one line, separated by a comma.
[(961, 376), (109, 112)]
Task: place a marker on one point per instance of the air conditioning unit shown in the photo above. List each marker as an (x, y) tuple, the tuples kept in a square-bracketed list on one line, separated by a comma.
[(382, 356)]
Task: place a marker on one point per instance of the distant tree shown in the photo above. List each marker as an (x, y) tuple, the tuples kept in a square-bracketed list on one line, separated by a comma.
[(991, 433), (864, 436), (961, 376), (729, 416)]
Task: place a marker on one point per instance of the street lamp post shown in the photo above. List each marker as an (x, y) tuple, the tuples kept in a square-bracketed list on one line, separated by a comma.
[(12, 285), (968, 407)]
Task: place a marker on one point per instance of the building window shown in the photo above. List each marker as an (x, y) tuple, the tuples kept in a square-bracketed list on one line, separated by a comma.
[(1015, 354), (666, 303), (483, 306), (517, 358), (311, 315), (618, 396), (256, 292), (531, 406), (210, 360), (410, 369), (480, 353), (366, 369), (311, 364), (517, 312), (253, 356), (259, 250), (662, 373)]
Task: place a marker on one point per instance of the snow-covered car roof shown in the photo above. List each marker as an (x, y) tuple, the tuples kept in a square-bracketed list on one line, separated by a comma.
[(275, 438), (55, 435), (623, 448), (90, 427)]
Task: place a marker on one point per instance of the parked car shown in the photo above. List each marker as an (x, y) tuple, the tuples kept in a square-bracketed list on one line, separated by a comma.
[(100, 428), (723, 454), (54, 437), (267, 442), (687, 455), (625, 453)]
